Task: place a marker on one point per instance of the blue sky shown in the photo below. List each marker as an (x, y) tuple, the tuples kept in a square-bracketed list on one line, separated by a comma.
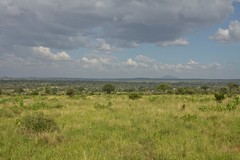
[(120, 38)]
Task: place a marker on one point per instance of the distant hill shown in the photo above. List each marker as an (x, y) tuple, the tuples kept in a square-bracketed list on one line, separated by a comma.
[(169, 77)]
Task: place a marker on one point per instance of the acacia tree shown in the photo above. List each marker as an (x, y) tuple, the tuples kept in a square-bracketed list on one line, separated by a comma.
[(108, 88), (164, 87)]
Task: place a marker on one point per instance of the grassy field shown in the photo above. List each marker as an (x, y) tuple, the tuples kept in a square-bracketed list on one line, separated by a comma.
[(116, 127)]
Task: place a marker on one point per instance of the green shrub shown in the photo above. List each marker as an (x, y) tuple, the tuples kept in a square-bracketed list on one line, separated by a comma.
[(35, 93), (102, 106), (236, 100), (42, 105), (37, 106), (3, 100), (189, 117), (219, 97), (37, 122), (9, 112), (108, 88), (230, 106), (185, 90), (153, 98), (204, 108), (6, 112), (134, 96), (70, 92)]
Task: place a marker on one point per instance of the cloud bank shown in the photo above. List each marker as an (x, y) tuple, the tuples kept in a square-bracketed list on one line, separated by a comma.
[(101, 24)]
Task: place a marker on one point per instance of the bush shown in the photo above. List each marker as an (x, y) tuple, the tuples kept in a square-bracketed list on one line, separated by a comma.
[(108, 88), (70, 92), (219, 97), (152, 98), (103, 106), (6, 112), (42, 105), (37, 106), (232, 105), (134, 96), (204, 108), (9, 112), (37, 122), (35, 93)]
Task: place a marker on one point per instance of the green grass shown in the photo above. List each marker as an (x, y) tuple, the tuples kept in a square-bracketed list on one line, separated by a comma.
[(116, 127)]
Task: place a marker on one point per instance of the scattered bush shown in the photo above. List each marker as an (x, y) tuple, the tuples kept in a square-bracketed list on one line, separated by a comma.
[(219, 97), (48, 138), (35, 93), (19, 90), (185, 90), (153, 98), (37, 122), (37, 106), (232, 105), (10, 112), (204, 108), (189, 117), (42, 105), (134, 96), (102, 106), (3, 100), (6, 112)]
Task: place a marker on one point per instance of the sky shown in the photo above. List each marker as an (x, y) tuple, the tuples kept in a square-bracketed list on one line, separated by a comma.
[(120, 38)]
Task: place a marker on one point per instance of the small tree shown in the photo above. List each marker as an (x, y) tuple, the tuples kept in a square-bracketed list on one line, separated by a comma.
[(205, 87), (47, 90), (232, 86), (164, 87), (70, 92), (108, 88)]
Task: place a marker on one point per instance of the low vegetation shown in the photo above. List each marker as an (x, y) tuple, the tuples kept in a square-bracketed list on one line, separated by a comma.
[(146, 124)]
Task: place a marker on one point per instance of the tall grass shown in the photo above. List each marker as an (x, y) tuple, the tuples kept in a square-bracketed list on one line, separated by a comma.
[(116, 127)]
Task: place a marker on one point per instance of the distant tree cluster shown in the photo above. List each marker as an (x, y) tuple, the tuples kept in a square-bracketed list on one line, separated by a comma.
[(70, 88)]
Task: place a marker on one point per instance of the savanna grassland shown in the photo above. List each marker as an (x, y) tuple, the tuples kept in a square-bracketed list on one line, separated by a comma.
[(113, 126)]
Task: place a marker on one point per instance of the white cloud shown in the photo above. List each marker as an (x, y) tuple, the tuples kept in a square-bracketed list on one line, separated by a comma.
[(102, 45), (231, 34), (144, 59), (45, 53), (192, 62), (131, 63), (176, 42), (212, 66), (97, 62), (96, 66), (91, 62)]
